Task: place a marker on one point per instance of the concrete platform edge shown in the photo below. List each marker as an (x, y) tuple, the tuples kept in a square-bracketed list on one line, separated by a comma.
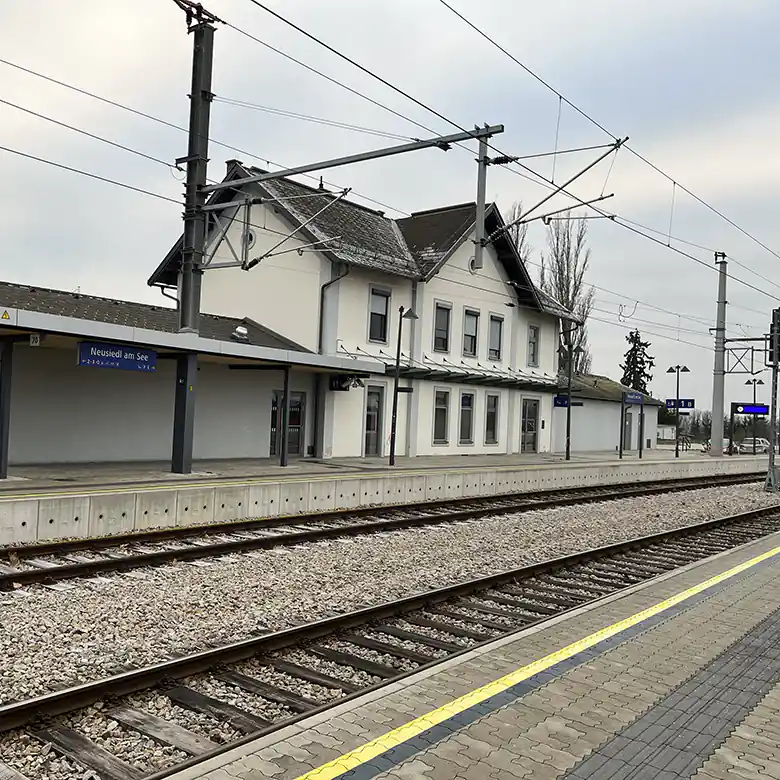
[(32, 517)]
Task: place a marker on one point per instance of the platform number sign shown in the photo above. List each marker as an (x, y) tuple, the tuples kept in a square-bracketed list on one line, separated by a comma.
[(685, 403)]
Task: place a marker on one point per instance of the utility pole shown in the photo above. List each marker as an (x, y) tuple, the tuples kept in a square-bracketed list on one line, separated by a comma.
[(719, 370), (200, 24), (479, 230), (774, 347), (569, 369)]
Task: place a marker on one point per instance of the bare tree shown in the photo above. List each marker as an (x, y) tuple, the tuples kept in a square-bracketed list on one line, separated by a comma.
[(563, 277), (519, 232)]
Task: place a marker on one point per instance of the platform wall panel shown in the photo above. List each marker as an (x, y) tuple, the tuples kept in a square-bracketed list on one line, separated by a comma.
[(29, 519)]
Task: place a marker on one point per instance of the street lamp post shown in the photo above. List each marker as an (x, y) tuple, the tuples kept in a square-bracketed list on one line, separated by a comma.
[(404, 314), (754, 382), (678, 370), (569, 351)]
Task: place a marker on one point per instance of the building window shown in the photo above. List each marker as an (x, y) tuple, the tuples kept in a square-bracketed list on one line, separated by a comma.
[(491, 420), (466, 418), (441, 328), (441, 414), (470, 331), (533, 345), (495, 336), (377, 320)]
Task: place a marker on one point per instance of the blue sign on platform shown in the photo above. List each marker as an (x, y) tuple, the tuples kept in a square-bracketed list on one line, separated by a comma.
[(751, 408), (562, 401), (685, 403), (633, 397), (127, 358)]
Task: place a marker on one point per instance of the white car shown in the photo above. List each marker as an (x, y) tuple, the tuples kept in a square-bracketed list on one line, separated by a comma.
[(762, 446)]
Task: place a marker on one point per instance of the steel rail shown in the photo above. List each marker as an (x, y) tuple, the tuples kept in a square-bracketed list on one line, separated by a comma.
[(524, 502), (66, 700)]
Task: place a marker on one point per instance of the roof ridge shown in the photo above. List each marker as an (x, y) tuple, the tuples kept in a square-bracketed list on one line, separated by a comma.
[(253, 170), (81, 295), (441, 209)]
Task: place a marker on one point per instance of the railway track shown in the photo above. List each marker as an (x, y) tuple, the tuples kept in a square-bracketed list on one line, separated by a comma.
[(202, 704), (53, 562)]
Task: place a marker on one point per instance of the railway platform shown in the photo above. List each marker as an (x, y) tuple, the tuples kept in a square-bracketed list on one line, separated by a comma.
[(54, 502), (675, 678)]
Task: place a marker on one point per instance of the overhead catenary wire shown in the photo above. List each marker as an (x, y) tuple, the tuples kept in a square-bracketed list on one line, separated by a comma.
[(244, 152), (631, 298), (308, 118), (173, 200), (105, 179), (591, 317), (179, 128), (444, 118), (95, 176), (174, 126), (375, 131), (87, 133), (601, 127)]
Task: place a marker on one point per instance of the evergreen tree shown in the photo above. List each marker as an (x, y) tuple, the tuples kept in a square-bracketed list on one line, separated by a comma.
[(636, 369)]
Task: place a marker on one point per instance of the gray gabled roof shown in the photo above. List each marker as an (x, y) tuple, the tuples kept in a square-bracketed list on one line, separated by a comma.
[(434, 234), (363, 237), (414, 247), (135, 315), (352, 233)]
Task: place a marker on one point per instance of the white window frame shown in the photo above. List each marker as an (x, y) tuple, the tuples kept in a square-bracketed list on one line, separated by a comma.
[(538, 329), (468, 310), (497, 318), (441, 442), (488, 396), (470, 441), (448, 306), (388, 295)]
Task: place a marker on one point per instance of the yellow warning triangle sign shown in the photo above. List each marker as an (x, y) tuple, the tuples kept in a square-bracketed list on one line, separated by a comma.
[(6, 315)]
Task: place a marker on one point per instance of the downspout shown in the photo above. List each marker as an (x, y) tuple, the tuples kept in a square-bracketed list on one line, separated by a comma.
[(324, 287), (318, 442)]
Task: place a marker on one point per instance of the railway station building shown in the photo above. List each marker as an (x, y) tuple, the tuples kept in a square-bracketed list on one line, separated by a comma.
[(478, 346), (333, 290)]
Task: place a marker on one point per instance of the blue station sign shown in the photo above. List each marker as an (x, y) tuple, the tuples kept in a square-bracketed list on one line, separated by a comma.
[(685, 403), (633, 397), (562, 401), (751, 408), (126, 358)]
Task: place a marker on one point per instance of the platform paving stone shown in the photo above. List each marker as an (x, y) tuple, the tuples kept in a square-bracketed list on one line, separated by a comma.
[(613, 712)]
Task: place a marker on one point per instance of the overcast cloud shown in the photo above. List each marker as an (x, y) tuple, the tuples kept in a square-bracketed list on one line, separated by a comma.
[(692, 82)]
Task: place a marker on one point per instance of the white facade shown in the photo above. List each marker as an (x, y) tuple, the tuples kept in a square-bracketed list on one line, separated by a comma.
[(595, 427), (65, 413), (284, 293)]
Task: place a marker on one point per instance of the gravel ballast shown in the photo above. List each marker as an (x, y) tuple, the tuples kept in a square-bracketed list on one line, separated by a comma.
[(51, 639)]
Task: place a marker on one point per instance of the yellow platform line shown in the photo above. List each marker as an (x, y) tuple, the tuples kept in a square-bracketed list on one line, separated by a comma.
[(364, 753)]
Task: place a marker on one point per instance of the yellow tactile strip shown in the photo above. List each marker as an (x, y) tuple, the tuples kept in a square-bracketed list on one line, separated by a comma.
[(376, 747)]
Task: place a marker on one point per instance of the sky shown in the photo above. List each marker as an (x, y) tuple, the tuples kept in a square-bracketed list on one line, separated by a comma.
[(692, 83)]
